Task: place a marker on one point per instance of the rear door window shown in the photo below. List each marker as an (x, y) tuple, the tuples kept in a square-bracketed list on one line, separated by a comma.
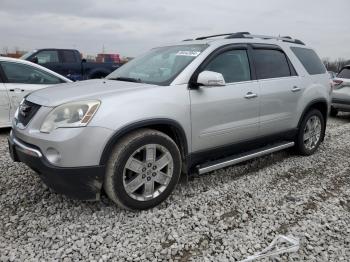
[(270, 63), (344, 73), (310, 60), (68, 56)]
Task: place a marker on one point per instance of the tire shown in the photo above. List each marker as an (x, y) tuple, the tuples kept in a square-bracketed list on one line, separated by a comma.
[(306, 146), (334, 112), (127, 163)]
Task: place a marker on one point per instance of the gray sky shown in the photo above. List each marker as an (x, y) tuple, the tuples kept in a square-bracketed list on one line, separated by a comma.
[(130, 27)]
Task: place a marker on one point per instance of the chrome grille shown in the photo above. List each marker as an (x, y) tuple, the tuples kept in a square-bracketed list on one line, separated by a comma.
[(26, 112)]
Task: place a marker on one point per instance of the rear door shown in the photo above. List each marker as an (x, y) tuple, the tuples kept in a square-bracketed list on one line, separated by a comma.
[(229, 114), (21, 79), (280, 89), (4, 103)]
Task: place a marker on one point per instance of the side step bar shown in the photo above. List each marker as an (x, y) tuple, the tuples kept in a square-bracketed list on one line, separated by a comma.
[(211, 166)]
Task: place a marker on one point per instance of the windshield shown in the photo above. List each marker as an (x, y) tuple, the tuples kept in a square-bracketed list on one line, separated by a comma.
[(26, 55), (159, 66)]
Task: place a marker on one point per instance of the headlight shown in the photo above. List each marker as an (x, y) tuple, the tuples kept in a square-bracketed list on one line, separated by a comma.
[(74, 114)]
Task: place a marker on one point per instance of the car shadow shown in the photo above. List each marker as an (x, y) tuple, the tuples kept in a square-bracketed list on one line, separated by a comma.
[(5, 131)]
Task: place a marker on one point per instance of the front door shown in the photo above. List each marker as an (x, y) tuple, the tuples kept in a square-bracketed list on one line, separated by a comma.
[(227, 114)]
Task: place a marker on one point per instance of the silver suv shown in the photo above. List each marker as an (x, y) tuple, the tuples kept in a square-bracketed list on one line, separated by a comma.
[(194, 106)]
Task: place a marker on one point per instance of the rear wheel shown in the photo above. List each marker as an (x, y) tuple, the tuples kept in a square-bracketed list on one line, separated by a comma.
[(311, 132), (143, 169)]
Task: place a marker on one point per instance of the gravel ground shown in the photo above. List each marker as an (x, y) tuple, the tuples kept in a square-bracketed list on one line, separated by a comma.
[(223, 216)]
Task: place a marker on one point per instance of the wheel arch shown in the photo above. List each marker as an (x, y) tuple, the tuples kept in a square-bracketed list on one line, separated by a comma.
[(319, 104), (167, 126)]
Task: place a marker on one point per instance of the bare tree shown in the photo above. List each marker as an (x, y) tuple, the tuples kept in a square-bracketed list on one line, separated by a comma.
[(335, 65)]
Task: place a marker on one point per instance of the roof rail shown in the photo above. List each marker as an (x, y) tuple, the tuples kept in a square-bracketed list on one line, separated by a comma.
[(239, 35), (248, 35), (210, 36), (281, 38)]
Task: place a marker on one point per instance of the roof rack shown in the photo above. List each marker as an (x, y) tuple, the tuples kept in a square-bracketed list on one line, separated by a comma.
[(281, 38), (210, 36), (248, 35)]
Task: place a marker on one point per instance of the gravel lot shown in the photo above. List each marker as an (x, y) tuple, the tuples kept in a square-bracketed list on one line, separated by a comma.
[(225, 215)]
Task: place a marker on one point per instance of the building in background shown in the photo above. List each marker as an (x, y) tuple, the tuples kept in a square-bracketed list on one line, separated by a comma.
[(109, 58), (16, 54)]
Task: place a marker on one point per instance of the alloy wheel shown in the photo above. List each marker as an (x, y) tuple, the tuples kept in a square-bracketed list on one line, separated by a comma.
[(147, 172), (312, 132)]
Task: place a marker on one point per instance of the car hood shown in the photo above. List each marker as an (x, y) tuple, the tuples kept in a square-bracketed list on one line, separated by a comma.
[(83, 90)]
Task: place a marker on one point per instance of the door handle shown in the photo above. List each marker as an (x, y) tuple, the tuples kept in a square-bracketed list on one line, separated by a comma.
[(296, 89), (17, 90), (250, 95)]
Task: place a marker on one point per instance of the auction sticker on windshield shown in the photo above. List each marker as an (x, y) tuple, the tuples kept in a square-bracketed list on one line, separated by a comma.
[(188, 53)]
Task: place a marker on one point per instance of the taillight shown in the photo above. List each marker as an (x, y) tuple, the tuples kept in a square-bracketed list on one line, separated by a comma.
[(337, 82)]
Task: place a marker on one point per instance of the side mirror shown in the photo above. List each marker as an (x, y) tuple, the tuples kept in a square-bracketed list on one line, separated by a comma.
[(210, 78), (83, 60), (35, 60)]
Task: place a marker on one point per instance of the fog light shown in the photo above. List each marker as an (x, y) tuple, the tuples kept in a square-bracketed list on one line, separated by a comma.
[(53, 155)]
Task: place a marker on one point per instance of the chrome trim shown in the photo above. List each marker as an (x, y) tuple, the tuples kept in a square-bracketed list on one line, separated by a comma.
[(243, 158), (26, 149)]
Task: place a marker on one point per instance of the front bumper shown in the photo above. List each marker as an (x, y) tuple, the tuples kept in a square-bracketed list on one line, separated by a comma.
[(82, 183)]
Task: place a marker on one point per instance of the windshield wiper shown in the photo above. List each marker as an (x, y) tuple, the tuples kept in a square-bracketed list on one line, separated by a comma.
[(127, 79)]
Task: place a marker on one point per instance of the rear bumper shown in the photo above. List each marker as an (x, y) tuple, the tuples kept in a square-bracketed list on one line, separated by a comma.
[(82, 183), (341, 104)]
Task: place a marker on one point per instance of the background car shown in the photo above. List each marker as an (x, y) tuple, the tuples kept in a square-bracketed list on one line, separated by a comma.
[(17, 79), (341, 92), (68, 62)]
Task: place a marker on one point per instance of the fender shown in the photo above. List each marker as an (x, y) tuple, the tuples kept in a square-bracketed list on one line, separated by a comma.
[(325, 114), (144, 124), (310, 104)]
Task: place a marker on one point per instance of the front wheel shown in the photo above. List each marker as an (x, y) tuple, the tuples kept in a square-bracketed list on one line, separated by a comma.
[(143, 169), (310, 133)]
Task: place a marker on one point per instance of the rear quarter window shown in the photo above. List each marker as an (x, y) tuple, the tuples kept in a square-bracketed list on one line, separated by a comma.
[(68, 56), (310, 60)]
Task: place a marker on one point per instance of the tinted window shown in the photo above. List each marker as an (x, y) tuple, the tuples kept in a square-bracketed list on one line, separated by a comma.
[(233, 65), (68, 56), (24, 74), (47, 56), (310, 60), (271, 64), (344, 73)]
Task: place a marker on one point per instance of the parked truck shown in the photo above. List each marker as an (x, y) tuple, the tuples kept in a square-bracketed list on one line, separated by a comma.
[(69, 63)]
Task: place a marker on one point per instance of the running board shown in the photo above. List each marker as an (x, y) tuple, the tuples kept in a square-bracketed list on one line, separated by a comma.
[(211, 166)]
